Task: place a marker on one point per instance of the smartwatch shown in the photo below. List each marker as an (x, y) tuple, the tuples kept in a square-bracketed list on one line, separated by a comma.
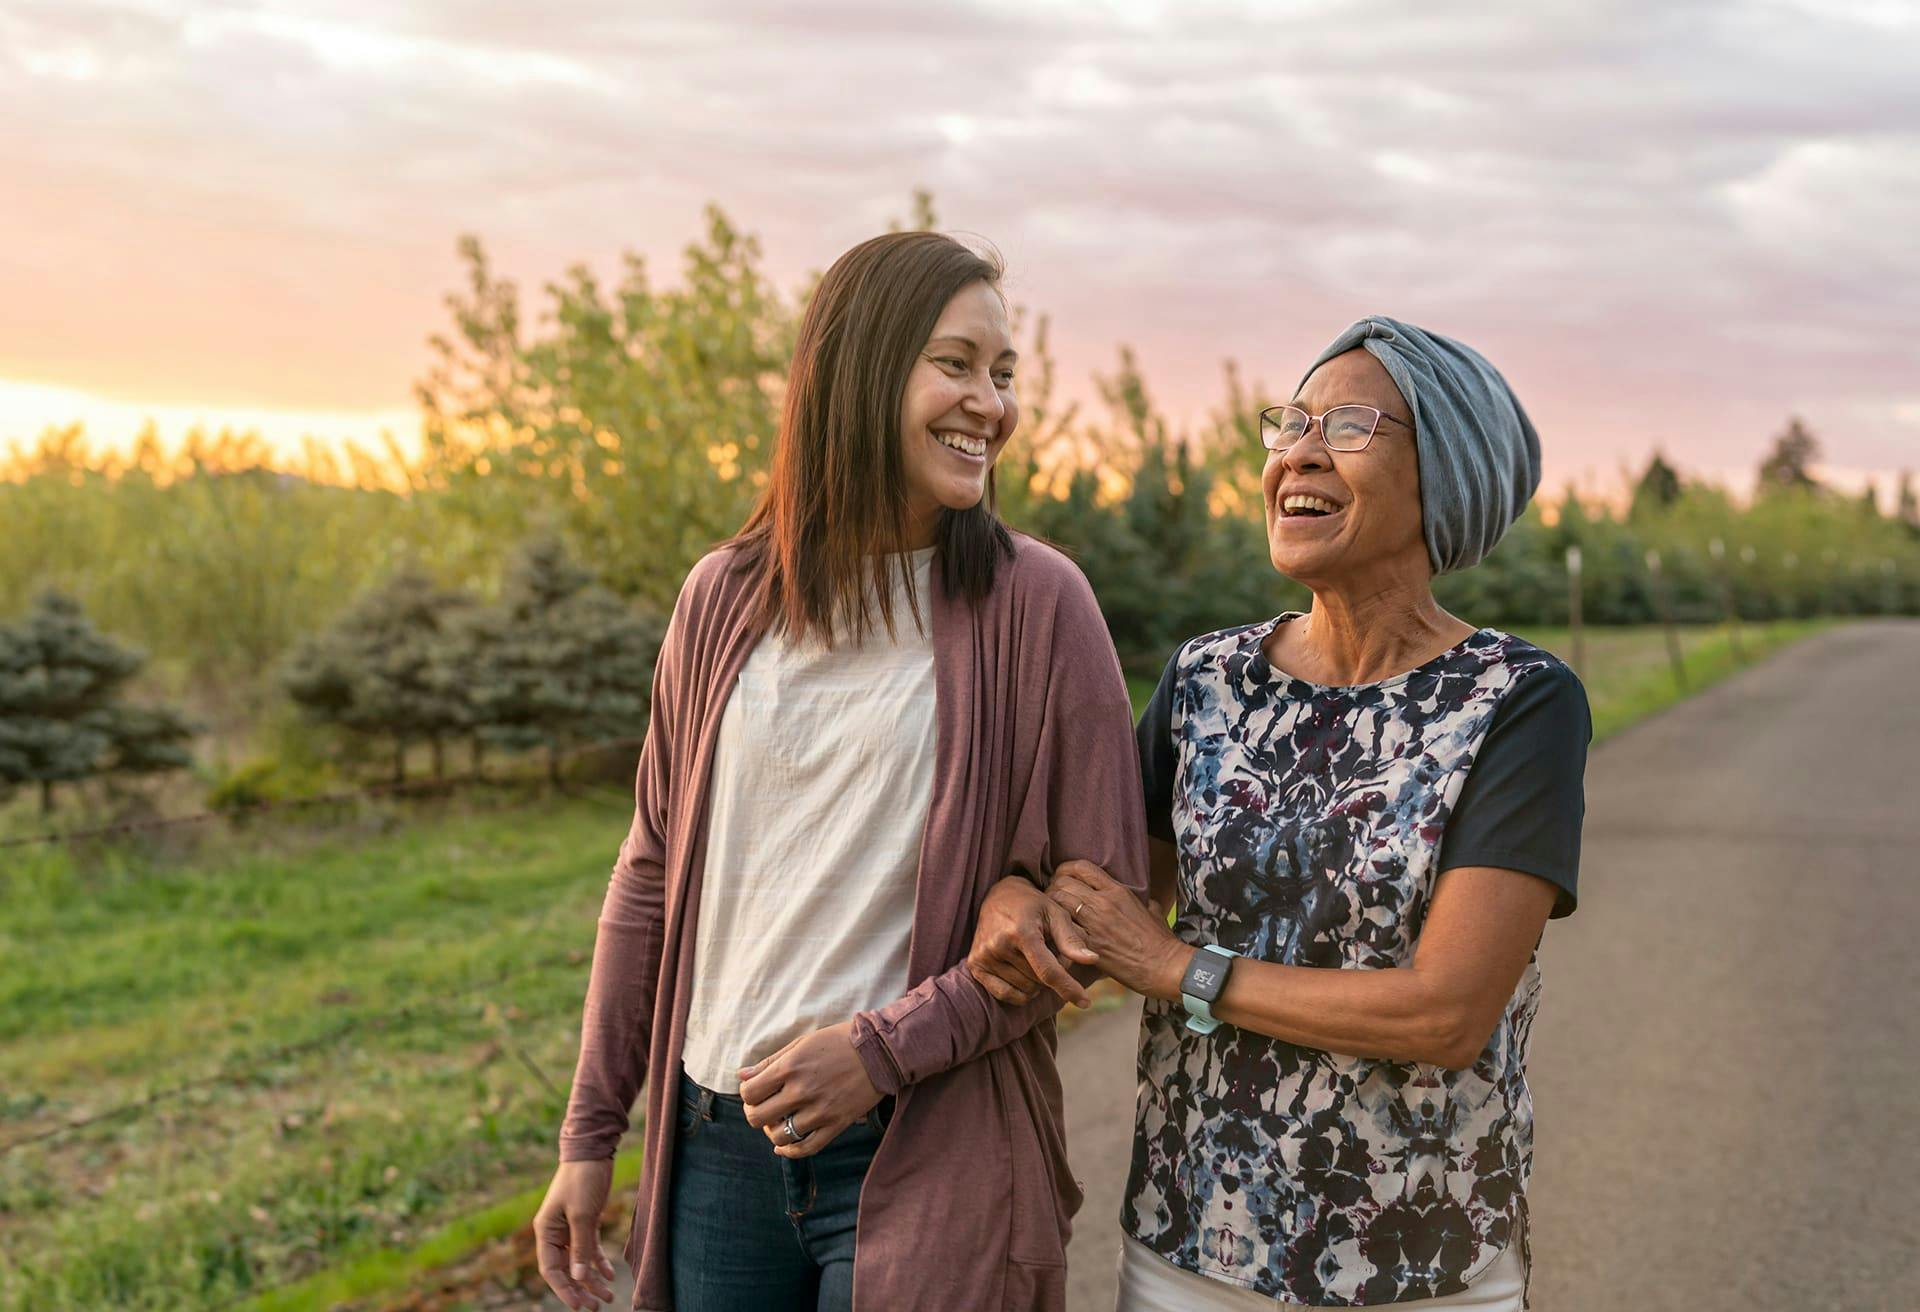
[(1200, 988)]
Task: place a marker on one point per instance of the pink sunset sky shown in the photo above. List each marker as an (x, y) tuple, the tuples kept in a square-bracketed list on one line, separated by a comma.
[(1672, 224)]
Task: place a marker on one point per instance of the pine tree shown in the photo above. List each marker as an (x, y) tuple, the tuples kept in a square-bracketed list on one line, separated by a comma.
[(1906, 507), (1870, 501), (1658, 488), (388, 668), (561, 661), (1788, 466), (61, 719)]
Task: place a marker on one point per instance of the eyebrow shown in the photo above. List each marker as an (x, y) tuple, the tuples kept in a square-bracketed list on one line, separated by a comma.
[(972, 345)]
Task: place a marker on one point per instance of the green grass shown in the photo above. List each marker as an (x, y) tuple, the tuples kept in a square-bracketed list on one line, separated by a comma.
[(343, 1030), (345, 1035), (388, 1269)]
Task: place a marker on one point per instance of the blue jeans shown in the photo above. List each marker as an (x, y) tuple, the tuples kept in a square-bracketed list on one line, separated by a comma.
[(754, 1232)]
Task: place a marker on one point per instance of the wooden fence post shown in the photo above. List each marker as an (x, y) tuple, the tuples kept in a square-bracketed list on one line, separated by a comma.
[(1661, 604), (1573, 612), (1718, 550)]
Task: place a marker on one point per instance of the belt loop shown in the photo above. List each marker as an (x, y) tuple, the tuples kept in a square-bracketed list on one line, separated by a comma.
[(706, 1103)]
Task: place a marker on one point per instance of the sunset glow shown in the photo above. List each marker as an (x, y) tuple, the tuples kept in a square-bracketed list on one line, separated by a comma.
[(1671, 227)]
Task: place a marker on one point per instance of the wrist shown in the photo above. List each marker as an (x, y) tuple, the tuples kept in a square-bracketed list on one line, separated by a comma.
[(1172, 969)]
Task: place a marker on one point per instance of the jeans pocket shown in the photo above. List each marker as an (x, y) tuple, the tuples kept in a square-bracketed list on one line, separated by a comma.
[(691, 1115)]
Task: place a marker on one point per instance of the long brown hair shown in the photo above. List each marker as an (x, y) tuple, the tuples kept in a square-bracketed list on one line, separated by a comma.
[(823, 542)]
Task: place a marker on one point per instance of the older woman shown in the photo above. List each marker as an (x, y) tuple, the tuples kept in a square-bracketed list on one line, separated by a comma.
[(1365, 815)]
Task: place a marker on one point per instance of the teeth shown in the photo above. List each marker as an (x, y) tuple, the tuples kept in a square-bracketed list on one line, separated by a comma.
[(1300, 501), (973, 446)]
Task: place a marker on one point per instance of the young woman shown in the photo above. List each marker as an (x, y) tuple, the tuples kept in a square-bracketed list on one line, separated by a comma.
[(872, 703)]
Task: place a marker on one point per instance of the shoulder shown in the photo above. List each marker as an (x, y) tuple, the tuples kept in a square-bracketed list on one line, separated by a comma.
[(1207, 648), (1521, 662), (1043, 581), (1041, 569), (714, 579), (1530, 680)]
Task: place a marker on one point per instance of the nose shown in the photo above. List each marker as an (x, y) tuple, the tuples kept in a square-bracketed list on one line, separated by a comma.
[(983, 401), (1309, 454)]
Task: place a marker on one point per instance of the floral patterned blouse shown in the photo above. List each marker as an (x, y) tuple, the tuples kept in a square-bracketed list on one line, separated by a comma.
[(1312, 823)]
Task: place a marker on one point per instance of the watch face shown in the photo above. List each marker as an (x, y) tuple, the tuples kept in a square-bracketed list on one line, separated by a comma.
[(1206, 976)]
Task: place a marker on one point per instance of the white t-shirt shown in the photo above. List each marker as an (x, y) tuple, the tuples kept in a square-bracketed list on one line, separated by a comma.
[(822, 776)]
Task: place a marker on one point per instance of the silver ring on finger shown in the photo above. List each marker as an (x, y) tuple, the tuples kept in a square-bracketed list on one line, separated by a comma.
[(793, 1134)]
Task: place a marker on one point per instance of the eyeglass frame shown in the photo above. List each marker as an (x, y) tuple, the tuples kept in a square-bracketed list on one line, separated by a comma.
[(1320, 419)]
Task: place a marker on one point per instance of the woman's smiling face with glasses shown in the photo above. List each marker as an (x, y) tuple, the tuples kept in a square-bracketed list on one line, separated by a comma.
[(1342, 478)]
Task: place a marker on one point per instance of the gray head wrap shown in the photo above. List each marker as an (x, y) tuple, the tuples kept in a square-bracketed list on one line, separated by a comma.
[(1479, 455)]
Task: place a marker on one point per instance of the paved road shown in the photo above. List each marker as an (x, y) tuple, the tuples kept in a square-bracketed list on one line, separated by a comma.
[(1726, 1066)]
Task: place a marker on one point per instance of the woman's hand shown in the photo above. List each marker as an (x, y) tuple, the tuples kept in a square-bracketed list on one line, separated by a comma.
[(1014, 943), (566, 1234), (818, 1080), (1133, 944)]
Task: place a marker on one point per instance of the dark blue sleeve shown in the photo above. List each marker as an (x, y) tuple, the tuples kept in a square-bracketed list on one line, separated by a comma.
[(1154, 735), (1524, 800)]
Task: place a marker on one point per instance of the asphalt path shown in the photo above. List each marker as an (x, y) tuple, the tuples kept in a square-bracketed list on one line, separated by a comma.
[(1726, 1063)]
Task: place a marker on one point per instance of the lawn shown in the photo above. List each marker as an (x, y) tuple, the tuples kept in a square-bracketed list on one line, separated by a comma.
[(302, 1051), (320, 1060)]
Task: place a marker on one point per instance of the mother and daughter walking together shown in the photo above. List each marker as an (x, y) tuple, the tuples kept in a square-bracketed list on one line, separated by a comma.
[(893, 811)]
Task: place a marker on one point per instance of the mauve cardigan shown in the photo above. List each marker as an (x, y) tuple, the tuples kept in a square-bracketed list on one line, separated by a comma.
[(968, 1202)]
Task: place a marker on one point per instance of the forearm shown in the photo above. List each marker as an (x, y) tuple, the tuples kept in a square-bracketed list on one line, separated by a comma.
[(947, 1020), (1399, 1014), (616, 1023)]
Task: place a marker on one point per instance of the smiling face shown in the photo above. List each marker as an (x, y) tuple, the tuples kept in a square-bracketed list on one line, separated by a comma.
[(1333, 516), (958, 409)]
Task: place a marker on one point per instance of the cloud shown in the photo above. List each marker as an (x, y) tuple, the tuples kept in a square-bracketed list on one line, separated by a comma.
[(1671, 223)]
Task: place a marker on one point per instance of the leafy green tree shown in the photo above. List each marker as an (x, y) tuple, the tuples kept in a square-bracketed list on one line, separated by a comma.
[(61, 717), (640, 419), (387, 668), (561, 660), (1906, 505)]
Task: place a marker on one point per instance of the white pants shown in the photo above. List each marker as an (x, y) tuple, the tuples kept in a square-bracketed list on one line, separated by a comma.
[(1150, 1283)]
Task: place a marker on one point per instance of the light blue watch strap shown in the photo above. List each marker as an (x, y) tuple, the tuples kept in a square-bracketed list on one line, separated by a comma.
[(1200, 1018)]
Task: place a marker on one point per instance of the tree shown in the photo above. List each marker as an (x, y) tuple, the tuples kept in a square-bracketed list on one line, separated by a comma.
[(1906, 507), (561, 660), (387, 668), (1658, 488), (1870, 501), (1788, 465), (61, 719), (638, 419)]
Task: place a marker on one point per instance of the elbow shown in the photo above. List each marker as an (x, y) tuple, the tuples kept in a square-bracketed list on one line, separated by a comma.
[(1453, 1039)]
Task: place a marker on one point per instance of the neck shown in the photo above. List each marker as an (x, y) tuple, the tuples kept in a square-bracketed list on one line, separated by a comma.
[(1374, 630), (922, 529)]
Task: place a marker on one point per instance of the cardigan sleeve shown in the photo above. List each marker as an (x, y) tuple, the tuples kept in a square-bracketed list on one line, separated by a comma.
[(616, 1026), (1082, 802)]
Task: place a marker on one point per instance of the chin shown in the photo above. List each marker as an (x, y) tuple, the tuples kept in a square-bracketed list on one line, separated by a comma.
[(963, 498), (1301, 566)]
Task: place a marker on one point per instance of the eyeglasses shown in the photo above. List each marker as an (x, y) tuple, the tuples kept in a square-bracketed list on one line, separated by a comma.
[(1343, 428)]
